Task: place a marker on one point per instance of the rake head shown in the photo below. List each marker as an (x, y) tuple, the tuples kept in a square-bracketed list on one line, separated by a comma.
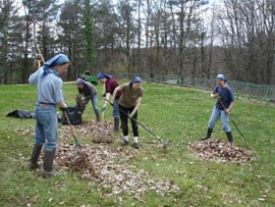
[(77, 145), (163, 143)]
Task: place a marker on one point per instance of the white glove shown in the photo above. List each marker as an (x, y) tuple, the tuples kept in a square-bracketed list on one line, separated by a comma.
[(131, 115)]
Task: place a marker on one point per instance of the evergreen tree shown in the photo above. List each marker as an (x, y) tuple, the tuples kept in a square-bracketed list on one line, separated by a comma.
[(89, 40)]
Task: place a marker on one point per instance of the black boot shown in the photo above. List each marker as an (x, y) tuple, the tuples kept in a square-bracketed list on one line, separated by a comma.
[(116, 124), (209, 132), (229, 137), (34, 157), (48, 163)]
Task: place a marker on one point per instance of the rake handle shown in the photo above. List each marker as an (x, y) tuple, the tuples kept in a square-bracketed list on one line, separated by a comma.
[(140, 124), (71, 127), (233, 122)]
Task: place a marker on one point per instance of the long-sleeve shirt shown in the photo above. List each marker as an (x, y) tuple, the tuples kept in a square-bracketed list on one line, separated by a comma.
[(225, 97), (110, 87), (89, 89), (49, 87)]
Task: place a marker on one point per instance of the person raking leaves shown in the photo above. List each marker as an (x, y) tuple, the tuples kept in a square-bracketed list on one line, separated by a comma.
[(224, 105), (49, 89), (88, 92), (129, 103), (110, 84)]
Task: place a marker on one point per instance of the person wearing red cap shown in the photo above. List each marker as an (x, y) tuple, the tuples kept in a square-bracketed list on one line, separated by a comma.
[(129, 103)]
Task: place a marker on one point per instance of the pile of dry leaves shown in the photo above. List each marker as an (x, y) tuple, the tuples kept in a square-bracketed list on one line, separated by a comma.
[(112, 169), (219, 150), (98, 132)]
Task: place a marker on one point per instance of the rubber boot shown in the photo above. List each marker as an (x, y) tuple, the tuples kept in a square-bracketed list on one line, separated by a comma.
[(48, 163), (229, 137), (116, 124), (209, 132), (97, 116), (34, 157)]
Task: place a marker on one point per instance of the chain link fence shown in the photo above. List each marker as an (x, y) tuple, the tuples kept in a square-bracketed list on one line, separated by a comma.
[(259, 91)]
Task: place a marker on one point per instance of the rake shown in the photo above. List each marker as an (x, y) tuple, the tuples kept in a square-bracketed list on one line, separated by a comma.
[(77, 143), (164, 143)]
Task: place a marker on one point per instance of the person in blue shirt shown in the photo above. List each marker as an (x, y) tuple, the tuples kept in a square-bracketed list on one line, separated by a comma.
[(224, 105), (49, 91)]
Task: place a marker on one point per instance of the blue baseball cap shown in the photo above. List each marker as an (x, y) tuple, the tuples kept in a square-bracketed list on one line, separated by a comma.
[(80, 81), (136, 79), (221, 77), (100, 76)]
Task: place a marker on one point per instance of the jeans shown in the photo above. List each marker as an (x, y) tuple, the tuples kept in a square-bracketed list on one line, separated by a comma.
[(116, 109), (46, 127), (124, 121), (94, 101), (216, 114)]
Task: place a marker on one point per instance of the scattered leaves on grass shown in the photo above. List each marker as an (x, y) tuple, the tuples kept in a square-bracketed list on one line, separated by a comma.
[(25, 132), (109, 167), (98, 132), (221, 151)]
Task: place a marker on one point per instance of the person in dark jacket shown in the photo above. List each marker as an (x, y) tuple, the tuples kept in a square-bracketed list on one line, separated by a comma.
[(88, 92), (129, 103), (49, 90), (110, 84), (222, 108)]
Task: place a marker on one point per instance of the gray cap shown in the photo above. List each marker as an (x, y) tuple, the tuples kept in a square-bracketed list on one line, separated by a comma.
[(221, 77)]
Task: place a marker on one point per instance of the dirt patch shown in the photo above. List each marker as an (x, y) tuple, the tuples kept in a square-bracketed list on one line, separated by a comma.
[(221, 151), (112, 169), (97, 132)]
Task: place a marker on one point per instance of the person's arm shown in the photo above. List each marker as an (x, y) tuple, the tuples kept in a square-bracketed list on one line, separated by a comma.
[(232, 103), (92, 88), (119, 88), (106, 99), (59, 95), (215, 93), (229, 109), (108, 90), (138, 103), (62, 105), (33, 79)]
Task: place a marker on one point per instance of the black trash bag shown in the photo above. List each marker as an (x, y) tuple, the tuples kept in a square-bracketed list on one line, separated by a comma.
[(21, 114), (74, 115)]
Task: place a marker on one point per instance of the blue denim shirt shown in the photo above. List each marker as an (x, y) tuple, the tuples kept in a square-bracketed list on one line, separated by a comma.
[(49, 87)]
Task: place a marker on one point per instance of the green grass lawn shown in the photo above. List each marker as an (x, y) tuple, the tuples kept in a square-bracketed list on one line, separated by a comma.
[(177, 114)]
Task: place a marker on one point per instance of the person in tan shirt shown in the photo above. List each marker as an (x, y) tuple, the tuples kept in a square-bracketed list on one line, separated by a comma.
[(129, 104)]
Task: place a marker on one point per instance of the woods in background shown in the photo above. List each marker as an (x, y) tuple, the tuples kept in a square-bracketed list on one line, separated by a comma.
[(185, 38)]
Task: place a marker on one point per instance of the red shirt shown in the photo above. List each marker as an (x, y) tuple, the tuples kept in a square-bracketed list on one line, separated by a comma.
[(110, 87)]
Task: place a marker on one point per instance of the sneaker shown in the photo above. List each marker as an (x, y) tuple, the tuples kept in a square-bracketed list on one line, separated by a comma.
[(125, 143), (135, 145)]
